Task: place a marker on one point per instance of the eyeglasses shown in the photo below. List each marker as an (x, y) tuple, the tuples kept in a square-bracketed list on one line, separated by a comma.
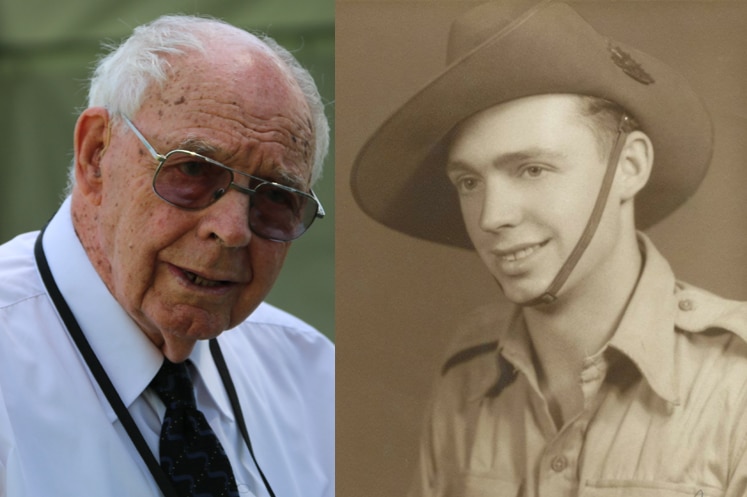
[(191, 181)]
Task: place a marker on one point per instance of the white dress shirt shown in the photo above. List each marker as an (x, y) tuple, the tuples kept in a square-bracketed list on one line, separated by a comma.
[(60, 437)]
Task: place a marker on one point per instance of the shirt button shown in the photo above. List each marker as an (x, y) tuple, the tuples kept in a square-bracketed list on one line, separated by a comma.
[(686, 305), (559, 463)]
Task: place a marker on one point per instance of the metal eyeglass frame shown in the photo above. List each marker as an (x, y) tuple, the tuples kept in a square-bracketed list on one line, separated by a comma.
[(249, 191)]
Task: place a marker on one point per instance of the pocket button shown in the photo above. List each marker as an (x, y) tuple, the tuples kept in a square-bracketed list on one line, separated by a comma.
[(559, 463)]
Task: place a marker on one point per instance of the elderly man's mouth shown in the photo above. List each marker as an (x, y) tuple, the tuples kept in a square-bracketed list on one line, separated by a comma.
[(200, 281)]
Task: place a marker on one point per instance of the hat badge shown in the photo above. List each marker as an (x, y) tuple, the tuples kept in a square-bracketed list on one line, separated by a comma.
[(629, 65)]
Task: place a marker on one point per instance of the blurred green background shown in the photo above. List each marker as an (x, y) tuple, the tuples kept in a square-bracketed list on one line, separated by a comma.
[(47, 50)]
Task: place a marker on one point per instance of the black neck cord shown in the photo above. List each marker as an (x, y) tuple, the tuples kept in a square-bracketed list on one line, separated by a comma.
[(551, 294)]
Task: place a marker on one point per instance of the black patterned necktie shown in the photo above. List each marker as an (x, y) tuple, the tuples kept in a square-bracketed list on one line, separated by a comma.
[(190, 453)]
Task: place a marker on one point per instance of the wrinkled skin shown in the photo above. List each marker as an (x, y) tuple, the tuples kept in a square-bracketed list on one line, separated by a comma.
[(242, 104)]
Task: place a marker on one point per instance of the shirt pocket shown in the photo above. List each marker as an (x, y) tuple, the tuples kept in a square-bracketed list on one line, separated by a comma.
[(480, 485), (627, 488)]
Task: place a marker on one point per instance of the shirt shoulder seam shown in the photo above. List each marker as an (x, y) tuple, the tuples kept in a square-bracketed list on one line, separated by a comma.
[(21, 300)]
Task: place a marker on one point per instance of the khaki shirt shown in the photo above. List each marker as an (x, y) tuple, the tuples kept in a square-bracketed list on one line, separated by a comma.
[(665, 410)]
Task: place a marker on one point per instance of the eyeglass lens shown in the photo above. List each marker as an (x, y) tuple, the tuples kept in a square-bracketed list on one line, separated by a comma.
[(191, 182)]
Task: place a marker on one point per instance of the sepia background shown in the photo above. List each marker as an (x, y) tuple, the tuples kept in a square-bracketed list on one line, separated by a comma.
[(47, 50), (398, 299)]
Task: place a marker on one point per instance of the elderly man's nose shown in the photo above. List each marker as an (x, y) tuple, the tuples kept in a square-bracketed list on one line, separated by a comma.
[(228, 220)]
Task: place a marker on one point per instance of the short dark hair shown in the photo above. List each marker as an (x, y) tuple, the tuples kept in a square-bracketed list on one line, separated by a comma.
[(603, 117)]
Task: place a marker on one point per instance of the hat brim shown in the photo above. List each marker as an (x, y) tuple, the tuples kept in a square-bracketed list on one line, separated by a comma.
[(399, 176)]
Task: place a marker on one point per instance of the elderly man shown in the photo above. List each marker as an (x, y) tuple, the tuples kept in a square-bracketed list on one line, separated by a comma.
[(192, 175), (545, 146)]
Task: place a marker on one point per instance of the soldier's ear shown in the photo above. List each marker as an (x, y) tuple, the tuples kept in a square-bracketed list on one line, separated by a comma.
[(634, 166)]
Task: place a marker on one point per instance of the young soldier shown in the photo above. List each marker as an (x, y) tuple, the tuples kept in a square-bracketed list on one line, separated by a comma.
[(610, 377)]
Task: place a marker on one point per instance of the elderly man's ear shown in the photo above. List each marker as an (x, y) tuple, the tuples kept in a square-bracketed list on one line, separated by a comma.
[(634, 166), (92, 135)]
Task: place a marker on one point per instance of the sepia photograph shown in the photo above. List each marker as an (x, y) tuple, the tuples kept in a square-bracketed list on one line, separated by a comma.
[(541, 248)]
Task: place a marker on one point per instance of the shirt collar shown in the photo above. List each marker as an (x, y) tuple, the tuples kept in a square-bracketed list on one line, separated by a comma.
[(210, 378), (127, 355), (129, 358), (645, 334)]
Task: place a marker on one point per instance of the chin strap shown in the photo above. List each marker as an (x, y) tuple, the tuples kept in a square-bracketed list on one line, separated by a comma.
[(550, 295)]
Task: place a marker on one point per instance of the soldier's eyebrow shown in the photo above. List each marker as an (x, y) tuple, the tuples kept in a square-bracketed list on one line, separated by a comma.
[(510, 158)]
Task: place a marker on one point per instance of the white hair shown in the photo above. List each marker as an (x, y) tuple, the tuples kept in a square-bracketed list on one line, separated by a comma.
[(121, 78)]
